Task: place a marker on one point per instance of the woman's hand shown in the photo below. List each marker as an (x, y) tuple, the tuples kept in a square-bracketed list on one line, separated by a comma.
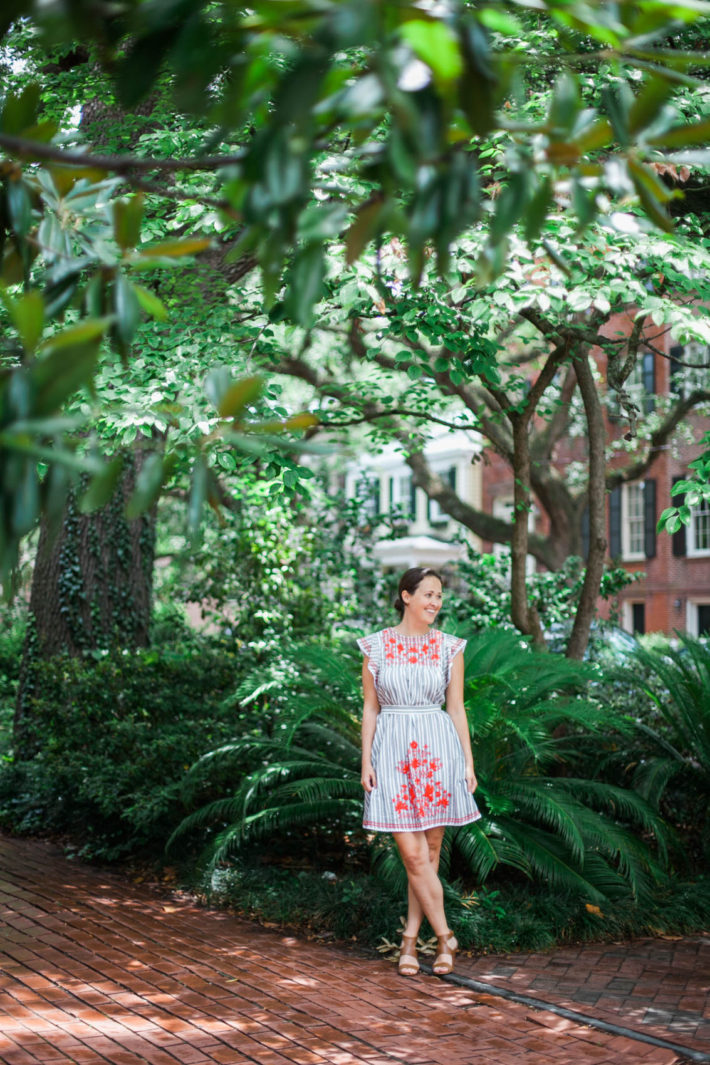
[(368, 778), (471, 782)]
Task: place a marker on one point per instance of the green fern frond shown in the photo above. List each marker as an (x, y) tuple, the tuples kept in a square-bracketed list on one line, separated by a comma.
[(484, 847), (541, 803), (652, 776), (548, 857)]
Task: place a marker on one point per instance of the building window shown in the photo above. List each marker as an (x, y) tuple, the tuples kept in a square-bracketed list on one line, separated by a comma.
[(638, 618), (632, 522), (698, 532), (435, 514), (698, 618), (690, 368), (402, 497)]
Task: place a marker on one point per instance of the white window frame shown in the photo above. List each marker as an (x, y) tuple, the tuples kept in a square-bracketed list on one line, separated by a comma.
[(691, 614), (401, 490), (437, 517), (691, 532), (627, 614), (628, 553)]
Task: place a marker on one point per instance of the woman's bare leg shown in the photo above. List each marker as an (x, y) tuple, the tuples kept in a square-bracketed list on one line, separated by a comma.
[(420, 854), (415, 914)]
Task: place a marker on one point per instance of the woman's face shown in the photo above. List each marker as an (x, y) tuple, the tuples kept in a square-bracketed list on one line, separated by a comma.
[(424, 603)]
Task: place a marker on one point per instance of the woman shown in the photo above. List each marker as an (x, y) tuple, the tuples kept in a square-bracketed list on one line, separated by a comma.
[(417, 766)]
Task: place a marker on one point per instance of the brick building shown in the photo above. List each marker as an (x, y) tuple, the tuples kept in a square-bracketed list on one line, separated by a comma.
[(674, 591)]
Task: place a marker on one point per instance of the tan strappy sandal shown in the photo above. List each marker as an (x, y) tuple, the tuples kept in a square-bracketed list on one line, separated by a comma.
[(446, 947), (408, 964)]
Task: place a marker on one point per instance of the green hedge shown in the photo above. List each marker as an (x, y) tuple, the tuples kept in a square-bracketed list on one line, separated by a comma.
[(114, 736)]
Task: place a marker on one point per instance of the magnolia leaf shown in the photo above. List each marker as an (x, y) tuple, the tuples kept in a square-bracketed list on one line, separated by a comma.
[(363, 229), (19, 206), (198, 494), (298, 421), (594, 137), (683, 136), (60, 374), (149, 482), (127, 218), (651, 193), (239, 395), (102, 487), (127, 307), (150, 303), (565, 104), (27, 313), (172, 249), (305, 284), (25, 497), (437, 45), (91, 329), (20, 109), (648, 103), (66, 177)]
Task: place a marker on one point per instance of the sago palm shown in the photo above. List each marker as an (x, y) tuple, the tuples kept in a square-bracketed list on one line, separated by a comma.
[(671, 756), (577, 834)]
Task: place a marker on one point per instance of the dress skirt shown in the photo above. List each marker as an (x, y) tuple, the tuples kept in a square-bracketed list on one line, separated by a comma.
[(420, 771)]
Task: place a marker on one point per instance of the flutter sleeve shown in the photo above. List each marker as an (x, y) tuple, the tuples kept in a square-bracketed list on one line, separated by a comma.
[(371, 646), (453, 645)]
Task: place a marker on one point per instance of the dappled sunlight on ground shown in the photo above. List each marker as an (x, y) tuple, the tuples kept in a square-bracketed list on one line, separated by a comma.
[(97, 969)]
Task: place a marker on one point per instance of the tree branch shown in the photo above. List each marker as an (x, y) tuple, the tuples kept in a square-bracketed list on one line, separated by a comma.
[(32, 151), (657, 440), (479, 522)]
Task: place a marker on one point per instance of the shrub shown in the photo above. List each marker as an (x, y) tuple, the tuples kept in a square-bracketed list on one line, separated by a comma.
[(667, 758), (114, 736), (579, 835)]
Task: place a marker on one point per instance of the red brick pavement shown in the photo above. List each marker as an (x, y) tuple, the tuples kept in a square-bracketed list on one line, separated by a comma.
[(96, 971), (657, 986)]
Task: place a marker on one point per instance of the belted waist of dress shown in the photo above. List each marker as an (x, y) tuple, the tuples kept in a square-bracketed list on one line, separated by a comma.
[(410, 709)]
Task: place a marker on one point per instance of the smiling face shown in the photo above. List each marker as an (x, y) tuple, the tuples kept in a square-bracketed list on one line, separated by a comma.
[(423, 604)]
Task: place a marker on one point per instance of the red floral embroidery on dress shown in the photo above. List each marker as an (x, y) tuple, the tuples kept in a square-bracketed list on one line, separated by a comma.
[(421, 793), (398, 649)]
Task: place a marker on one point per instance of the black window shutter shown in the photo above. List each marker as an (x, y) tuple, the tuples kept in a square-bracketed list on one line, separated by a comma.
[(649, 381), (676, 354), (391, 492), (585, 533), (375, 490), (615, 522), (412, 497), (679, 546), (649, 517), (451, 477)]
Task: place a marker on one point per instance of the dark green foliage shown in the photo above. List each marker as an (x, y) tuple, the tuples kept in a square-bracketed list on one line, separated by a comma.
[(114, 735), (479, 592), (525, 709), (351, 905), (668, 758)]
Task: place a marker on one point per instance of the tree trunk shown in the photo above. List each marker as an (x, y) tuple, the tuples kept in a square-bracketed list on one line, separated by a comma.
[(91, 589), (523, 614), (586, 609)]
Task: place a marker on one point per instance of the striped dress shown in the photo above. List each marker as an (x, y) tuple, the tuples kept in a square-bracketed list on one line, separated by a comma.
[(416, 753)]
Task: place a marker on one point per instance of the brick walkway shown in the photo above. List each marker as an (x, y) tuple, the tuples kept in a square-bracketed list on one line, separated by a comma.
[(657, 986), (98, 971)]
